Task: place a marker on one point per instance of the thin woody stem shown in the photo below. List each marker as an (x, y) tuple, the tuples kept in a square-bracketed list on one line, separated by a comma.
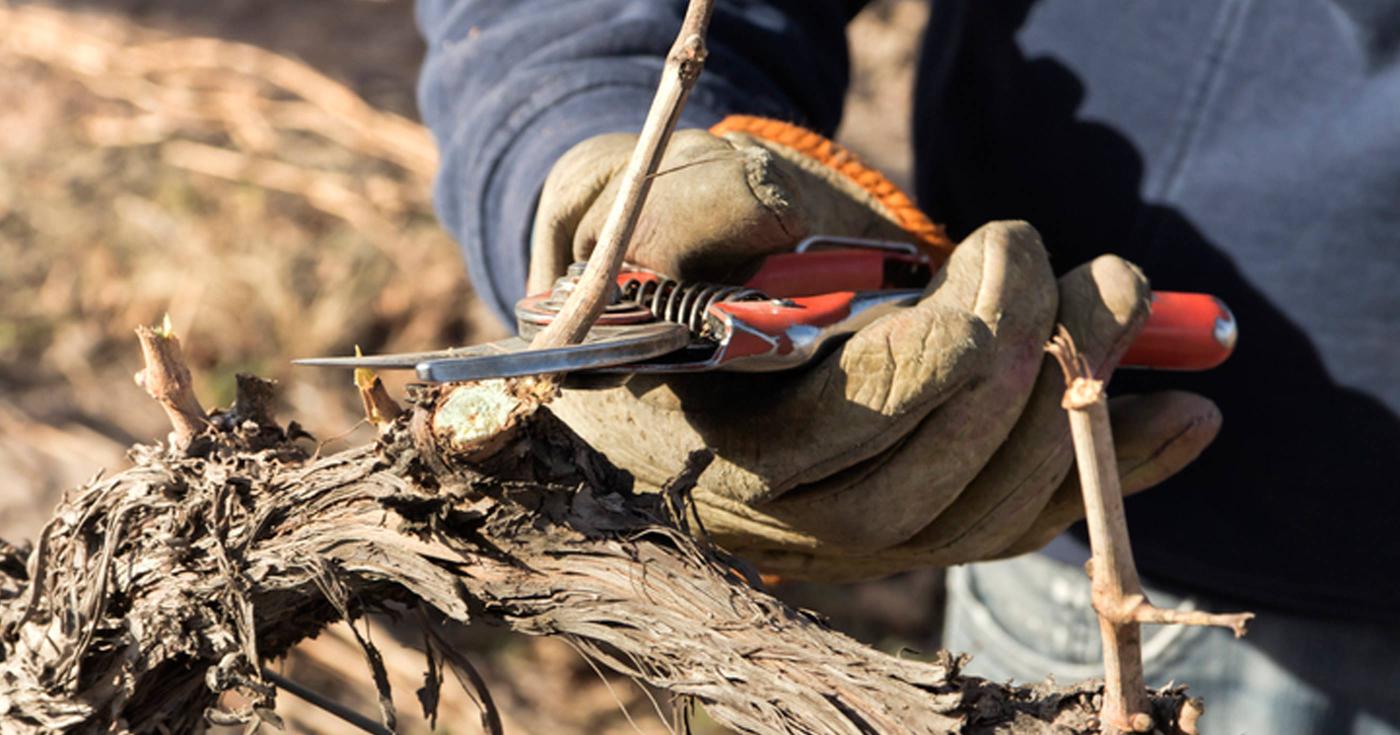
[(1237, 622), (1114, 574), (167, 379), (586, 302), (1117, 591)]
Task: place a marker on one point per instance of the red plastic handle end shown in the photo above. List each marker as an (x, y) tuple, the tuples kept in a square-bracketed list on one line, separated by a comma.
[(1186, 331)]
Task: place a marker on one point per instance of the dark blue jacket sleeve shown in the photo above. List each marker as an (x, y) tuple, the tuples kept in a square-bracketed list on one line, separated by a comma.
[(510, 85)]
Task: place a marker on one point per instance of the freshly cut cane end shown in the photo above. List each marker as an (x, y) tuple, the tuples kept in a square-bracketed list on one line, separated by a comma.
[(474, 412), (473, 419), (1082, 393)]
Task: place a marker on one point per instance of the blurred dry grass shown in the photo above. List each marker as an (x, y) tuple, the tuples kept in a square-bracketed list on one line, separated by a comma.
[(265, 206), (278, 208)]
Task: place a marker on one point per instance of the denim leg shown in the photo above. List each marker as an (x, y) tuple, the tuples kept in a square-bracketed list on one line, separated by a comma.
[(1031, 616)]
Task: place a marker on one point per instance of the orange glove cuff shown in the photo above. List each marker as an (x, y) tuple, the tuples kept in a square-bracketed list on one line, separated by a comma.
[(839, 159)]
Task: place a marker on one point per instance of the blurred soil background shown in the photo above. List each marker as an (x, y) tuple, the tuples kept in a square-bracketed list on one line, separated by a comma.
[(256, 170)]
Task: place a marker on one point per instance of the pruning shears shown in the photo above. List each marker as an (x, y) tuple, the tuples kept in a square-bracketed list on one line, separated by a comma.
[(795, 307)]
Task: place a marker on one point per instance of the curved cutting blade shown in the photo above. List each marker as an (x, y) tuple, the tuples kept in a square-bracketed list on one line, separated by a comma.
[(603, 347)]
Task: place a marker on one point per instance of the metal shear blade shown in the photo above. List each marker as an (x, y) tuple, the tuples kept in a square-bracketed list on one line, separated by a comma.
[(511, 357)]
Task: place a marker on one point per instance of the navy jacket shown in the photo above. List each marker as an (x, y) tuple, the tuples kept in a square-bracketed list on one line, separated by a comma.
[(1246, 148)]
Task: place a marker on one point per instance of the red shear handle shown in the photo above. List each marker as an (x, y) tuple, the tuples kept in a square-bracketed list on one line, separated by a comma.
[(816, 272), (1186, 331), (788, 275)]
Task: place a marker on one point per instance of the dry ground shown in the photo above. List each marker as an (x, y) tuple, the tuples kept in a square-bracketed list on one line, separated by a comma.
[(255, 170)]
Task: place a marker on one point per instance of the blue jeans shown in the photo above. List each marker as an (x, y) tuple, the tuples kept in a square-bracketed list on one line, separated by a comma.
[(1028, 617)]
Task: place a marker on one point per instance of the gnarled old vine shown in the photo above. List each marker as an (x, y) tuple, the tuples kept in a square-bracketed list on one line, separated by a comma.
[(153, 591)]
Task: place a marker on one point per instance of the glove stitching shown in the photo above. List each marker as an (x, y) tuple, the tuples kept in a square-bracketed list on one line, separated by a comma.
[(885, 403), (755, 168), (1162, 448)]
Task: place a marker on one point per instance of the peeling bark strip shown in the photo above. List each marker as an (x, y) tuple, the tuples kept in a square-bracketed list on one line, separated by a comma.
[(153, 591)]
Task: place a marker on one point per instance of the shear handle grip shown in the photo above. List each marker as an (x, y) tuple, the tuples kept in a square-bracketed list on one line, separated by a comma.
[(1184, 331), (816, 272)]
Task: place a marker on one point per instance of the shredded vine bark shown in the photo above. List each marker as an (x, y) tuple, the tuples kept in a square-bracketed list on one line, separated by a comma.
[(153, 591)]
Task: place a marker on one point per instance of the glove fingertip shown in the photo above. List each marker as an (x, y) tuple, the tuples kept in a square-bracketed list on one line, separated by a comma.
[(1104, 304), (1155, 435), (1159, 434)]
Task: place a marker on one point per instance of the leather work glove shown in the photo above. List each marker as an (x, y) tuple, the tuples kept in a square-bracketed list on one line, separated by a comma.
[(934, 436)]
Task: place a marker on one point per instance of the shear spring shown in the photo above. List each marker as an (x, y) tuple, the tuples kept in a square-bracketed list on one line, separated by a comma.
[(683, 303)]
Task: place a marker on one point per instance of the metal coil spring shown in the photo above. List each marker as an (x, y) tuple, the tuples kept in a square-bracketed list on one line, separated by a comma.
[(683, 303)]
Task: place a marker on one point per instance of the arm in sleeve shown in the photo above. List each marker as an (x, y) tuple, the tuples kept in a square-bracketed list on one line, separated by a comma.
[(509, 85)]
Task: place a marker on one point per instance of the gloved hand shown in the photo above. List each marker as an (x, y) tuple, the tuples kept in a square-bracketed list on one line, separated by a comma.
[(933, 437)]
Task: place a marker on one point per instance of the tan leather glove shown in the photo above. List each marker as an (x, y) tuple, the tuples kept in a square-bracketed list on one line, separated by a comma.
[(933, 437)]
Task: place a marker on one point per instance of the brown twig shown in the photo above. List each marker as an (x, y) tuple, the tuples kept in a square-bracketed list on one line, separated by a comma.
[(1236, 622), (1117, 592), (167, 380), (683, 65)]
